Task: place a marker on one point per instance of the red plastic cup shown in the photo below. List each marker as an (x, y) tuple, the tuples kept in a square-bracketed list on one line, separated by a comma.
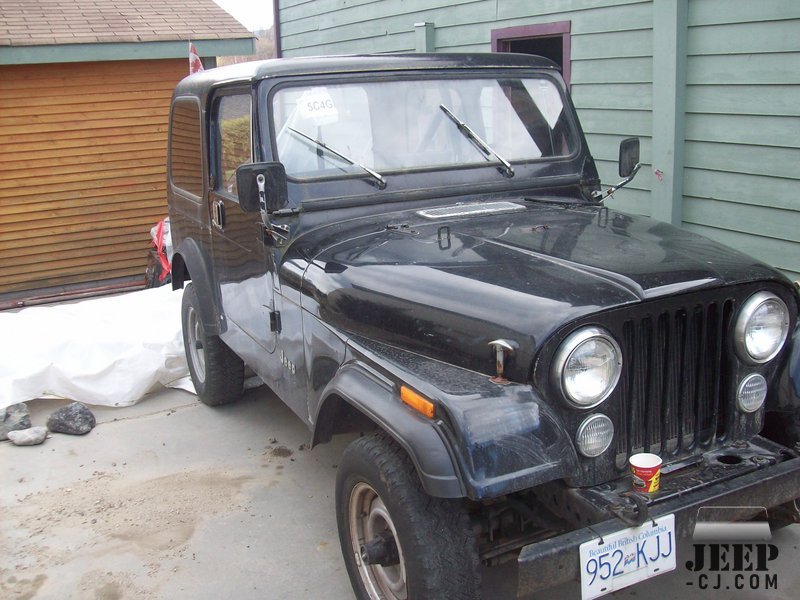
[(646, 471)]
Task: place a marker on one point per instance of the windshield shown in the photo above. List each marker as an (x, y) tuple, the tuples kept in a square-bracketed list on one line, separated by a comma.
[(390, 126)]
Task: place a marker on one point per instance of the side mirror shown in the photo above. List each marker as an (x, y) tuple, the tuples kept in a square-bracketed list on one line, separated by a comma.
[(262, 187), (629, 165), (628, 156)]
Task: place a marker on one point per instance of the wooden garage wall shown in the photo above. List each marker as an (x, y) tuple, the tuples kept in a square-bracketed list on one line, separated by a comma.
[(82, 169)]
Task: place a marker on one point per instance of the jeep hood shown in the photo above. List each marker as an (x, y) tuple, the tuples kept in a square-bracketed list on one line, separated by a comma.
[(434, 284)]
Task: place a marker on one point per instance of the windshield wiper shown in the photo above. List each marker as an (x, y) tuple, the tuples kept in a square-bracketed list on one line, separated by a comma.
[(483, 147), (381, 182)]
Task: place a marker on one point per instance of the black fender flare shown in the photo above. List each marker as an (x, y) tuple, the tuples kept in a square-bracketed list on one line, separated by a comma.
[(783, 402), (375, 397), (191, 258), (791, 380)]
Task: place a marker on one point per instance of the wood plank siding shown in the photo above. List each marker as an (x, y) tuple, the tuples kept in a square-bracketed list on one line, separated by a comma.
[(82, 169), (741, 99), (742, 164)]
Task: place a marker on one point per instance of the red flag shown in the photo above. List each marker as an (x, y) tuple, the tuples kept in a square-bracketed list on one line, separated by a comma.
[(195, 66)]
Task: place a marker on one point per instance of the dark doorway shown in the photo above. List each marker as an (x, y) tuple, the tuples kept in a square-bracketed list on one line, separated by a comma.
[(551, 40)]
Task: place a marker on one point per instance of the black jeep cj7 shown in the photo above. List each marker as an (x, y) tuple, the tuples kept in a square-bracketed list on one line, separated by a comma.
[(416, 248)]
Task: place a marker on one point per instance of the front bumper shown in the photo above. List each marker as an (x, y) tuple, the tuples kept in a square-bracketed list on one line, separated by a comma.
[(768, 481)]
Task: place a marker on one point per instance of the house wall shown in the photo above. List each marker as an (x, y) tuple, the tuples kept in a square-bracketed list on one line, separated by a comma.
[(742, 175), (83, 155), (723, 101)]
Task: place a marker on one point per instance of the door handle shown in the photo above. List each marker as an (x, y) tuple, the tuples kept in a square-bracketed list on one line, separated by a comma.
[(219, 214)]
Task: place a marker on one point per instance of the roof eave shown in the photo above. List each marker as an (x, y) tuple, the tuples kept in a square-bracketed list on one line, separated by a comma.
[(59, 53)]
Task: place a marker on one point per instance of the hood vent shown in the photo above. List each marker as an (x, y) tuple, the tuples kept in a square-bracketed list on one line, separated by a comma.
[(466, 210)]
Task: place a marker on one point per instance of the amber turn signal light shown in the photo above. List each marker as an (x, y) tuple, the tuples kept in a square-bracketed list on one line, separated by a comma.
[(418, 403)]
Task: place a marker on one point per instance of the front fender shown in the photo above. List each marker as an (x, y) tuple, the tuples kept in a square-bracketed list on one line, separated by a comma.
[(375, 397), (783, 402), (509, 440), (498, 438), (789, 391)]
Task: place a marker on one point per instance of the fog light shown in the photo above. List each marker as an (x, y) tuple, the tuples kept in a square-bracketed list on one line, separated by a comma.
[(751, 393), (594, 435)]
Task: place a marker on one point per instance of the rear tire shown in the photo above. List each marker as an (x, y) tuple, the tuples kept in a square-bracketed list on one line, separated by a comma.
[(379, 495), (217, 373)]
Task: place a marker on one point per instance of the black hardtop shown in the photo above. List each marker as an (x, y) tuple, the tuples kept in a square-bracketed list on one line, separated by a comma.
[(200, 83)]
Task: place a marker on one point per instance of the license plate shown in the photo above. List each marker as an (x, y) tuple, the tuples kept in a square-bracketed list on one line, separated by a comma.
[(627, 557)]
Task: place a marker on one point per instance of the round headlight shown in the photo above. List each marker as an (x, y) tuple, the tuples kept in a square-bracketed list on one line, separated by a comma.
[(594, 435), (587, 366), (761, 328), (751, 393)]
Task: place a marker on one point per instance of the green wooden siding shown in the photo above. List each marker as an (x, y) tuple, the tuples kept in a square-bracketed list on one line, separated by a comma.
[(739, 107), (742, 153)]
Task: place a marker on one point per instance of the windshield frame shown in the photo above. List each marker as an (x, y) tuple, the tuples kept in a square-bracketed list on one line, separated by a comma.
[(269, 88)]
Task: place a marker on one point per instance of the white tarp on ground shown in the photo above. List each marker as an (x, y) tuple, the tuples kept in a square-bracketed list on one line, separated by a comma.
[(105, 351)]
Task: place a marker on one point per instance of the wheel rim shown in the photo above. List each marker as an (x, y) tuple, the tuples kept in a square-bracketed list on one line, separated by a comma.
[(197, 354), (368, 517)]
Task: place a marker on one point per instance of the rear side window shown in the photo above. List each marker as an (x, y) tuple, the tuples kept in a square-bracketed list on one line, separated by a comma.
[(234, 141), (185, 151)]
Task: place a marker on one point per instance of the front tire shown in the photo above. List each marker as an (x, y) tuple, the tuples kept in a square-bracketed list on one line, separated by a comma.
[(217, 373), (426, 544)]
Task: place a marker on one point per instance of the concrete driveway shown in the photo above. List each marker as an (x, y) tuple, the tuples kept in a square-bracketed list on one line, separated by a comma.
[(172, 499)]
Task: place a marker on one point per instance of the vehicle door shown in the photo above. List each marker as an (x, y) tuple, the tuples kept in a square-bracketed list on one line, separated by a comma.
[(243, 267)]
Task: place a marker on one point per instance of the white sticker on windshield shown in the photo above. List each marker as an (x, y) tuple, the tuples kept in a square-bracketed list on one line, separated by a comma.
[(318, 105)]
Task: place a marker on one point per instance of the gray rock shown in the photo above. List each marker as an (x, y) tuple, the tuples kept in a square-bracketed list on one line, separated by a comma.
[(74, 419), (14, 417), (33, 436)]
